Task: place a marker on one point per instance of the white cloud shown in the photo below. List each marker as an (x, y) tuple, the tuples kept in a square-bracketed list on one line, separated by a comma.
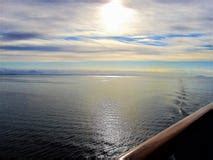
[(60, 19)]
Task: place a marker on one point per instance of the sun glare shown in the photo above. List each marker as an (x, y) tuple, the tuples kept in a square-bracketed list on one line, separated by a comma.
[(116, 17)]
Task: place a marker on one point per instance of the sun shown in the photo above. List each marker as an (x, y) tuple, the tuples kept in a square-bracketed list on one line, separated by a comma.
[(115, 17)]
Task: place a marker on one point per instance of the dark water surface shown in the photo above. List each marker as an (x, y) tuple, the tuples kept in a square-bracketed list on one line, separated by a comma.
[(86, 117)]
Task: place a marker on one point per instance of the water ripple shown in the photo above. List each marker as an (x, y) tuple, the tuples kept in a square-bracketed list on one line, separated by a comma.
[(84, 118)]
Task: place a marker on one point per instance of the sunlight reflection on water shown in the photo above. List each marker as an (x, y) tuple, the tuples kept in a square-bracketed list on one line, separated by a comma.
[(78, 117)]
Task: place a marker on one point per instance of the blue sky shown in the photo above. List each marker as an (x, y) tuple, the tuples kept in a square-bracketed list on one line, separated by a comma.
[(107, 34)]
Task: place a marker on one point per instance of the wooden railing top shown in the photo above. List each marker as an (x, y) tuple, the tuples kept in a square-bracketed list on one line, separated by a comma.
[(146, 148)]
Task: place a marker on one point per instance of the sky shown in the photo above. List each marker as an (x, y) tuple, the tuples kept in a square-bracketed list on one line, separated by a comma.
[(139, 35)]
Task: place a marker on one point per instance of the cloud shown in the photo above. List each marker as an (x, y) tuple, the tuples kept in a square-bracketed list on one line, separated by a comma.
[(14, 36), (182, 28), (177, 1), (208, 47), (30, 48), (61, 48), (153, 40), (53, 2), (172, 35), (74, 30)]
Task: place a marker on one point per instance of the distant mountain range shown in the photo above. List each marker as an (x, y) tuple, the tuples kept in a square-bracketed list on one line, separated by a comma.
[(23, 72), (61, 72), (4, 71)]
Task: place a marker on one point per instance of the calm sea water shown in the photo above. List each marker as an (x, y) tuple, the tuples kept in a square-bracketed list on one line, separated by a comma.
[(86, 117)]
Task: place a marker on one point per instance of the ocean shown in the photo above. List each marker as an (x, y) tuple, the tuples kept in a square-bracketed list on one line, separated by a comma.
[(91, 117)]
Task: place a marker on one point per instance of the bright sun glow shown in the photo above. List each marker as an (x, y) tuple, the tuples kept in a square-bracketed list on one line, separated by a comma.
[(116, 17)]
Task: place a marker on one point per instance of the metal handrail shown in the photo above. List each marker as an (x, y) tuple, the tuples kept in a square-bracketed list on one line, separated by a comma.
[(143, 150)]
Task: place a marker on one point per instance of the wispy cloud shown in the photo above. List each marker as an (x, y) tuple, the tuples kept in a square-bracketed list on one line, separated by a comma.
[(15, 36), (73, 30), (30, 48), (155, 40), (208, 46)]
